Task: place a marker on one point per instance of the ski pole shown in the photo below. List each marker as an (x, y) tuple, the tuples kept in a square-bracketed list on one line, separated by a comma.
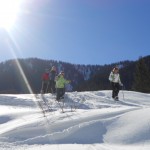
[(123, 92)]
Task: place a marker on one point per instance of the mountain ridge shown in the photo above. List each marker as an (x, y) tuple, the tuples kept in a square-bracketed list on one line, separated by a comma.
[(83, 77)]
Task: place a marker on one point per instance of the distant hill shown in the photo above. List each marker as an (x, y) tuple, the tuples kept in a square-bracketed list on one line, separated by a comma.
[(17, 76)]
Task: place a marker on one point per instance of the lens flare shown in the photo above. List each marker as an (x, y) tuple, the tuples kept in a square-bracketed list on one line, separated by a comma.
[(8, 12)]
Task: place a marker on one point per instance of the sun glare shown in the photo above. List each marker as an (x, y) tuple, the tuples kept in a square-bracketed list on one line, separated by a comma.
[(8, 13)]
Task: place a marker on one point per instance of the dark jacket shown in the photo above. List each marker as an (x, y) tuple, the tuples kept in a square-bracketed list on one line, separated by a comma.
[(52, 74)]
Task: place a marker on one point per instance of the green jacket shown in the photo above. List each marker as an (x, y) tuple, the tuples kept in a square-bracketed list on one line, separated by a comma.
[(61, 81)]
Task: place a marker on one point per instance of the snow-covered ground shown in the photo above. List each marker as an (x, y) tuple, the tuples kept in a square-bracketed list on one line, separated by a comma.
[(92, 121)]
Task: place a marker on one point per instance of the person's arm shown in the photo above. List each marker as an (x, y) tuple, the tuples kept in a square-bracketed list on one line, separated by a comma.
[(111, 77), (66, 81)]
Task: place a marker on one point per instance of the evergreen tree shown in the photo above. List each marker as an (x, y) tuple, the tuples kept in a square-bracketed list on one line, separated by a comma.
[(142, 77)]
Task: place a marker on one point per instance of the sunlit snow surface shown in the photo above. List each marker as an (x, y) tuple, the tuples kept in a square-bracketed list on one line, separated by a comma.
[(92, 121)]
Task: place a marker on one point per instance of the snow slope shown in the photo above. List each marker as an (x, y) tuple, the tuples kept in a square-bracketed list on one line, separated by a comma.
[(92, 120)]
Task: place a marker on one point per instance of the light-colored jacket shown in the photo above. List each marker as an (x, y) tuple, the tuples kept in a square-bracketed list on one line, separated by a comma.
[(114, 77), (61, 81)]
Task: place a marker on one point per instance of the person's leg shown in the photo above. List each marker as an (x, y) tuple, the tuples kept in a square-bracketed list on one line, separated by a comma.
[(62, 92), (116, 90), (58, 93), (113, 89), (53, 86), (47, 87), (50, 86), (44, 85)]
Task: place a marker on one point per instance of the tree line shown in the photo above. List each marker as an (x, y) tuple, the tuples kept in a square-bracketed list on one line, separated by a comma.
[(24, 75)]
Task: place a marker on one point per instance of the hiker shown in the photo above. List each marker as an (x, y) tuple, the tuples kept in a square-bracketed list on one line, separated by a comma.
[(115, 81), (45, 82), (52, 76), (60, 86)]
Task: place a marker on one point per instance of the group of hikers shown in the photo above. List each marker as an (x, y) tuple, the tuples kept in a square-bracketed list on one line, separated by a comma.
[(53, 83)]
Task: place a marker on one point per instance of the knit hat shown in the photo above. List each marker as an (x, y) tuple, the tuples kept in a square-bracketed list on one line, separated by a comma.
[(115, 68)]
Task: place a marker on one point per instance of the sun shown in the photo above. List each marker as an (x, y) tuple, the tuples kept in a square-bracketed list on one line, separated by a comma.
[(8, 13)]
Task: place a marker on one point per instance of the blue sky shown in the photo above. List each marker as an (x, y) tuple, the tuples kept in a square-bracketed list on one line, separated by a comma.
[(79, 31)]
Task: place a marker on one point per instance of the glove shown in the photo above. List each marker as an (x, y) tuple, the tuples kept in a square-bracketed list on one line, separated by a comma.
[(121, 84)]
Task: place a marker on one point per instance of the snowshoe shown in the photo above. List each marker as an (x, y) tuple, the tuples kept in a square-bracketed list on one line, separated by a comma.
[(116, 98)]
